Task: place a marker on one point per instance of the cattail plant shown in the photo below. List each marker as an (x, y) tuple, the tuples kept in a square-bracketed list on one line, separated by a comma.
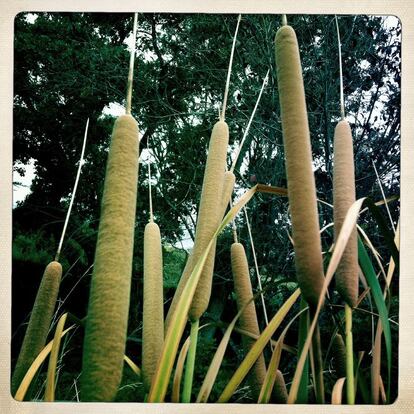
[(45, 302), (39, 322), (248, 319), (298, 154), (153, 307), (106, 326), (343, 197), (209, 211), (339, 356), (346, 275), (279, 394), (300, 178), (210, 214)]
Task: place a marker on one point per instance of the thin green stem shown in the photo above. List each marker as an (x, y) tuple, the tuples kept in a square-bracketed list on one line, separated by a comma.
[(226, 91), (189, 366), (284, 20), (341, 82), (246, 132), (256, 266), (73, 193), (303, 330), (350, 393), (131, 67), (149, 188)]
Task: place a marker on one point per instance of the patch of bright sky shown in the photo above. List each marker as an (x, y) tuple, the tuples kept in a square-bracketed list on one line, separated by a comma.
[(22, 184)]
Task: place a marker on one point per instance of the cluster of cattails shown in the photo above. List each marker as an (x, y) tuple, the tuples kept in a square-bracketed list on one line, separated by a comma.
[(106, 323)]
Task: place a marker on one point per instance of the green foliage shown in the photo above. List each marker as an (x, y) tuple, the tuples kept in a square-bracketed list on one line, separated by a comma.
[(36, 247), (174, 262)]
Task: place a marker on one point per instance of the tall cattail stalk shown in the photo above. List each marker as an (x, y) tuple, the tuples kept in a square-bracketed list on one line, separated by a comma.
[(343, 197), (248, 319), (246, 132), (75, 187), (300, 178), (45, 301), (106, 326), (209, 217), (301, 182), (39, 322), (153, 305), (209, 212)]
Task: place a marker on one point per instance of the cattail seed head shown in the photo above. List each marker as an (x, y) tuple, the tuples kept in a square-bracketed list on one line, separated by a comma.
[(153, 313), (298, 154), (106, 326), (346, 274), (39, 322), (339, 356), (208, 220), (279, 394), (209, 215), (248, 319)]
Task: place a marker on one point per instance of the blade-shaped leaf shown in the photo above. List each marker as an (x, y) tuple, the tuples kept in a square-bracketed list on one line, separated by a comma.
[(175, 396), (270, 378), (132, 365), (369, 272), (31, 372), (257, 348), (51, 371), (337, 391)]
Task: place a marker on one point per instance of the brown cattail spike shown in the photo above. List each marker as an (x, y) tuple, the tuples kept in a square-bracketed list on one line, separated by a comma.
[(339, 356), (39, 323), (207, 222), (153, 313), (106, 326), (248, 319), (301, 182), (279, 393), (343, 196)]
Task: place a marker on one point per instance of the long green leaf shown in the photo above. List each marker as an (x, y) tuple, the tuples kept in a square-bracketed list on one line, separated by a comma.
[(24, 385), (215, 364), (369, 272), (270, 378), (257, 348), (175, 396), (51, 371)]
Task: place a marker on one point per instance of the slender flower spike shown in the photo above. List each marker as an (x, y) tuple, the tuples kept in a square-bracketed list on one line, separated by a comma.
[(301, 182)]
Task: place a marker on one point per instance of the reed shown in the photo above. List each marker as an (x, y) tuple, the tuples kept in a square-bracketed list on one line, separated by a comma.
[(106, 325), (346, 275), (248, 319), (39, 322), (153, 306), (298, 154)]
